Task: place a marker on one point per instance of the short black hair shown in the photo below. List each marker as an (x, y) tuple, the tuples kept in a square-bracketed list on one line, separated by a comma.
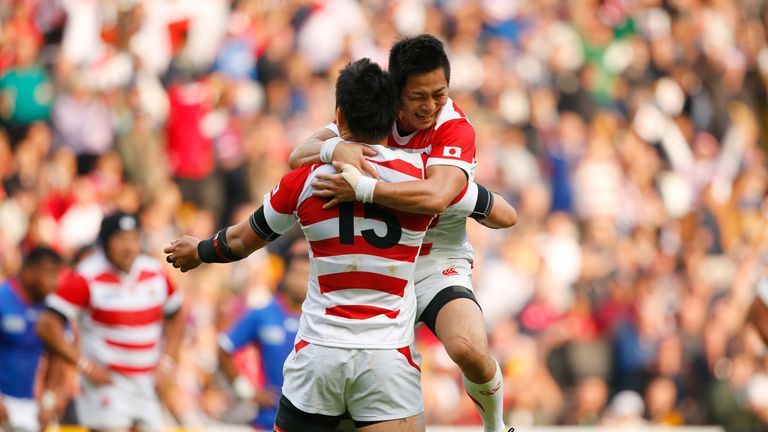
[(115, 222), (40, 254), (367, 97), (417, 55)]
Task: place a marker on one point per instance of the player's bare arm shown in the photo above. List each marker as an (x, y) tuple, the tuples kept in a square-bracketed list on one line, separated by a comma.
[(495, 213), (502, 214), (173, 332), (336, 149), (430, 196), (3, 414), (50, 328), (243, 388), (758, 316), (53, 398), (230, 244)]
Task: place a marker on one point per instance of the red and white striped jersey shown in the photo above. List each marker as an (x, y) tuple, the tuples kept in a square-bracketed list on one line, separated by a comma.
[(451, 141), (362, 256), (120, 315)]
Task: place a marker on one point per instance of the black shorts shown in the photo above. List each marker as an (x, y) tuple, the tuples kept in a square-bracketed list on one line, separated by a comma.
[(291, 419), (447, 295)]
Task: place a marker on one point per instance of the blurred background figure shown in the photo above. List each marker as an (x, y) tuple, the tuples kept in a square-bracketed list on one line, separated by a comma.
[(271, 329), (130, 321), (630, 136), (29, 400)]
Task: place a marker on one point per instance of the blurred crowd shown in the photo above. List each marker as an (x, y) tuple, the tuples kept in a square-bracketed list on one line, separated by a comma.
[(629, 134)]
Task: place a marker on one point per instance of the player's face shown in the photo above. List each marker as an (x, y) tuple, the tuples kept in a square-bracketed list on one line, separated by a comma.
[(296, 277), (421, 100), (122, 249), (43, 278)]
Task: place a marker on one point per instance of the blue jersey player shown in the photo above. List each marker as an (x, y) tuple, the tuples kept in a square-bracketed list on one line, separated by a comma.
[(21, 300), (272, 329)]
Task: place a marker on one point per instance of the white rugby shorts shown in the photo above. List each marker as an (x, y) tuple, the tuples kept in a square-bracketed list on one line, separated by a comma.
[(434, 273), (22, 414), (128, 400), (371, 384)]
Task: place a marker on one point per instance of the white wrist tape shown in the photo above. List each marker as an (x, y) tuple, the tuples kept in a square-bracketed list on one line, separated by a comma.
[(84, 365), (327, 149), (48, 400), (365, 188), (243, 388)]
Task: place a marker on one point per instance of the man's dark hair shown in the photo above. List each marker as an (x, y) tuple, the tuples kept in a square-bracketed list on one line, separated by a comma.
[(417, 55), (366, 96), (40, 254)]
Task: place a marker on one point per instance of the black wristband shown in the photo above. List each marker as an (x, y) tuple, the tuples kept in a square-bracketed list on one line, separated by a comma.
[(483, 205), (216, 249), (261, 227)]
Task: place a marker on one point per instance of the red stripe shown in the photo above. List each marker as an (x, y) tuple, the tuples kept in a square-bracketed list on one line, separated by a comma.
[(461, 194), (285, 197), (73, 289), (406, 351), (426, 248), (311, 211), (131, 369), (361, 312), (144, 275), (107, 278), (216, 248), (131, 346), (332, 247), (128, 318), (401, 166), (479, 405), (362, 280), (300, 344), (277, 429), (412, 221)]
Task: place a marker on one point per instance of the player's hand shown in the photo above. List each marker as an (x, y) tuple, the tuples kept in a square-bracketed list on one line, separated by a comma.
[(333, 186), (265, 398), (354, 154), (182, 253), (50, 405), (164, 372), (95, 373), (45, 417)]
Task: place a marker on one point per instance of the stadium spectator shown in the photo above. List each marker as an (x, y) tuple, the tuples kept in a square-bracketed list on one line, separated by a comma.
[(89, 142), (26, 91), (22, 299), (130, 323)]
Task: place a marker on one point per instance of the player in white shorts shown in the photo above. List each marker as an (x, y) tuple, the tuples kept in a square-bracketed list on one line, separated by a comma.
[(130, 321), (430, 123), (353, 351)]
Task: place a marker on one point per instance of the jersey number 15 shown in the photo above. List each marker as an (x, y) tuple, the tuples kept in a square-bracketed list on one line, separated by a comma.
[(370, 211)]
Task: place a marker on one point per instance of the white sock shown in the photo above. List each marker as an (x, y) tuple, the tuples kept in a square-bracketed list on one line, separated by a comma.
[(489, 400)]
